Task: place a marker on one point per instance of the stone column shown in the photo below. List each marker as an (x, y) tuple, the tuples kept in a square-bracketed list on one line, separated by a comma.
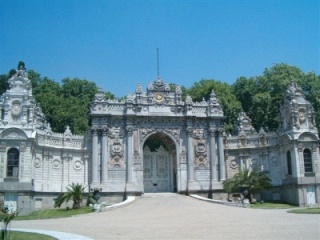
[(85, 170), (213, 159), (95, 159), (190, 154), (104, 155), (64, 176), (221, 156), (3, 150), (129, 153)]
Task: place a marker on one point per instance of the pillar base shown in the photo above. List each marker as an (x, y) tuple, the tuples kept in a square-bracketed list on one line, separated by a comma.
[(193, 185)]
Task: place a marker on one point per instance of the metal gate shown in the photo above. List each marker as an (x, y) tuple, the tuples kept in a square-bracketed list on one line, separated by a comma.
[(156, 169)]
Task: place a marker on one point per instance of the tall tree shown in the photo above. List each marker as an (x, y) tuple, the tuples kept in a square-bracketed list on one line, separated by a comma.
[(4, 85), (261, 96), (231, 106)]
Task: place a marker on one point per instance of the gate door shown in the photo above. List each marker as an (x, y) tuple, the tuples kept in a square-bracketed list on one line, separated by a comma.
[(311, 198), (156, 177)]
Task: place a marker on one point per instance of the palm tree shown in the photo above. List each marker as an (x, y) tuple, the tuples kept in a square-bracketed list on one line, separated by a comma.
[(75, 192), (228, 186), (250, 180)]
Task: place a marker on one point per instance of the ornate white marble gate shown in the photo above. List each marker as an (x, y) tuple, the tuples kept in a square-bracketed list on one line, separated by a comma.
[(156, 171)]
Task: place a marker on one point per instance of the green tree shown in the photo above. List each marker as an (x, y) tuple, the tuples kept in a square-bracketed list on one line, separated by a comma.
[(4, 84), (231, 106), (66, 105), (252, 180), (34, 77), (228, 186), (262, 96), (75, 192)]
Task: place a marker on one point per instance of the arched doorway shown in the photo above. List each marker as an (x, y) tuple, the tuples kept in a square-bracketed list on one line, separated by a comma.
[(159, 164)]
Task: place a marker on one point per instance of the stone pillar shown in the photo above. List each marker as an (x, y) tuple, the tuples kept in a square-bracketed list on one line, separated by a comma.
[(104, 155), (221, 156), (95, 159), (3, 150), (85, 170), (213, 157), (190, 154), (129, 153), (65, 172)]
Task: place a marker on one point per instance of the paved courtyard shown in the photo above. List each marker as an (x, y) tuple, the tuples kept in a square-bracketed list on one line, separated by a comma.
[(172, 216)]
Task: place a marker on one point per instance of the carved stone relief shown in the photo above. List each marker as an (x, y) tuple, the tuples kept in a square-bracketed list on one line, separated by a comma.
[(136, 161), (274, 160), (116, 153), (201, 154), (37, 163), (77, 165), (233, 163), (174, 132), (14, 135), (56, 164)]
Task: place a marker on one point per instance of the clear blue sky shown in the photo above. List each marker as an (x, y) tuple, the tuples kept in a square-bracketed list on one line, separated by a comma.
[(114, 43)]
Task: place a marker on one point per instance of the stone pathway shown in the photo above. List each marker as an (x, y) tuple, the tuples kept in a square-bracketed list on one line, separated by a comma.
[(172, 216)]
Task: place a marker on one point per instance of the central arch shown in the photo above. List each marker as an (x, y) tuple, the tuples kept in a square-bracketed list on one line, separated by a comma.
[(159, 164)]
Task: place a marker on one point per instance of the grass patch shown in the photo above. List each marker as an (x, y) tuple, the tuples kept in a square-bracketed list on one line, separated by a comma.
[(14, 235), (305, 211), (54, 213), (269, 205)]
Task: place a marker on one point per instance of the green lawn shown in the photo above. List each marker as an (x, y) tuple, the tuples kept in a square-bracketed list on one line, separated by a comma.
[(305, 210), (13, 235), (269, 205), (54, 213)]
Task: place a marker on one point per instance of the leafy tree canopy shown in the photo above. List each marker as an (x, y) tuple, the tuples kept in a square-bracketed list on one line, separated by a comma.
[(231, 106), (261, 96)]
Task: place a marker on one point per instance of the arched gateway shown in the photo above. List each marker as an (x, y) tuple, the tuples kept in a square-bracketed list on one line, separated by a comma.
[(159, 164), (155, 142)]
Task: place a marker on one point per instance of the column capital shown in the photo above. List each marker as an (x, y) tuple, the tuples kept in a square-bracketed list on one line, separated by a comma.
[(220, 131), (94, 131), (129, 130), (212, 132), (105, 131), (190, 131)]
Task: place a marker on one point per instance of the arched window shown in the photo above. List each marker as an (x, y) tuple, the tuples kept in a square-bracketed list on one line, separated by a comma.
[(307, 161), (289, 163), (13, 163)]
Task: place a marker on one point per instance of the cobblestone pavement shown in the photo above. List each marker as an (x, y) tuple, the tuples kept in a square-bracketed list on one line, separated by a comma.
[(172, 216)]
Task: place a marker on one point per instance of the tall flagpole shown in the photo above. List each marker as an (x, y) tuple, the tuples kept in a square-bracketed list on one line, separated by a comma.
[(158, 63)]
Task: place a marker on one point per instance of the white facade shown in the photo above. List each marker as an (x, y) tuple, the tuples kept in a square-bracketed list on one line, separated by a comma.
[(195, 155)]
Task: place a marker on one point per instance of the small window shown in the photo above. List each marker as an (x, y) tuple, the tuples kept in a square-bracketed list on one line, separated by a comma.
[(13, 163), (289, 163), (307, 161)]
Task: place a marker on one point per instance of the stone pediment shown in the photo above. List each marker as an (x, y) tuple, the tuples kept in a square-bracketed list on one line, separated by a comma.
[(306, 137), (13, 133), (285, 139)]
